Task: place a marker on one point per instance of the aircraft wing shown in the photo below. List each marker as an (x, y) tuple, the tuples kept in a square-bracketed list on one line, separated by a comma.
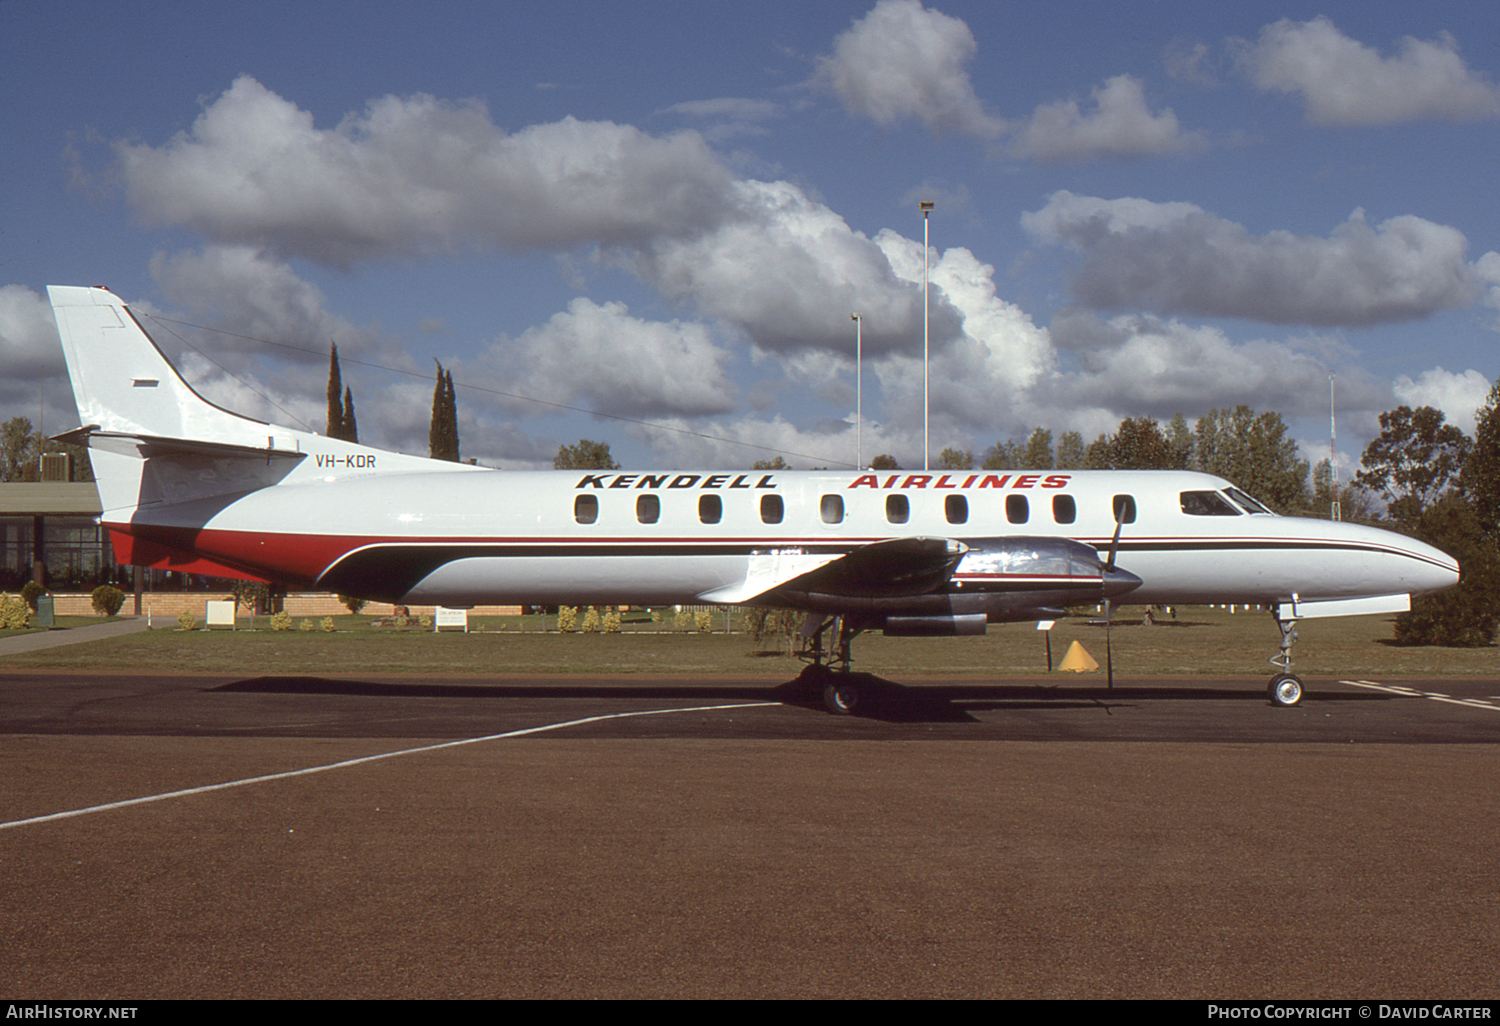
[(884, 569)]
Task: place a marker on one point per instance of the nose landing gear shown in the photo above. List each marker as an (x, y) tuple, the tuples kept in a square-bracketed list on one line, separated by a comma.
[(1285, 688)]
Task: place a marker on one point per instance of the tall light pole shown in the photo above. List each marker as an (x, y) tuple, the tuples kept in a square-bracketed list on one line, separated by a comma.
[(926, 207), (859, 391)]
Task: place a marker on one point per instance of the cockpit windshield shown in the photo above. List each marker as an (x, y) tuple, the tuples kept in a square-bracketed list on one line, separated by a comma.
[(1250, 505), (1206, 504)]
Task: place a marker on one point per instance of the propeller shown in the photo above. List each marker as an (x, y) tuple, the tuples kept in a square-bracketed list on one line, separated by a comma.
[(1109, 565)]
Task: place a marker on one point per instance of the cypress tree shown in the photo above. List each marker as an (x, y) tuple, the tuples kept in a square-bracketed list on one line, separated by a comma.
[(335, 427), (442, 435), (350, 432)]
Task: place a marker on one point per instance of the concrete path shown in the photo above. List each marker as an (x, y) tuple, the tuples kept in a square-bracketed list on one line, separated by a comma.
[(51, 639)]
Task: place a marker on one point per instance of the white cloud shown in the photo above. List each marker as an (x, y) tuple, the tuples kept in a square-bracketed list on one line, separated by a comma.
[(417, 176), (1459, 396), (789, 272), (28, 334), (599, 357), (903, 61), (248, 293), (1178, 259), (1344, 82), (1119, 124)]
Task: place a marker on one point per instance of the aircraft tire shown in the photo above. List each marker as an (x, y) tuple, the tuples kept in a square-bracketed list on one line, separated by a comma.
[(1285, 690), (840, 697)]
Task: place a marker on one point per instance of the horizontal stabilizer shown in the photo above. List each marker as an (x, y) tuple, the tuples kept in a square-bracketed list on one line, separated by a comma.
[(147, 446)]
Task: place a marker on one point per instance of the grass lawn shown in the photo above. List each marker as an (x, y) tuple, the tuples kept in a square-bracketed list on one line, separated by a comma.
[(1201, 641)]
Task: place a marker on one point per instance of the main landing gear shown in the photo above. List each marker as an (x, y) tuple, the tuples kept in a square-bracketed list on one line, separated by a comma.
[(830, 665), (1284, 688)]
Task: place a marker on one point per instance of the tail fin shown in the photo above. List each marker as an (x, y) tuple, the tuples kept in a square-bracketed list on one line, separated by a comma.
[(123, 385)]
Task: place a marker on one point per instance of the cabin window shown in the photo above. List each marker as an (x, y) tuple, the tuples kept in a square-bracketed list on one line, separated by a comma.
[(648, 508), (771, 509), (897, 509), (957, 509), (1206, 504), (1124, 509), (586, 509), (832, 508), (1064, 509), (1017, 509), (710, 509)]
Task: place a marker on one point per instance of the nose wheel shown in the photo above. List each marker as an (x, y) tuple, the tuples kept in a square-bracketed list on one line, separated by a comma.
[(1285, 689)]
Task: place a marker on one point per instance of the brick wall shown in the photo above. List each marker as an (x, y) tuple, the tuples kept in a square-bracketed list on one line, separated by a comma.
[(171, 604)]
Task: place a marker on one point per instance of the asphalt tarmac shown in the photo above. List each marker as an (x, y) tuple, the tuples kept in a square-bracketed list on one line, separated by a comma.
[(672, 837)]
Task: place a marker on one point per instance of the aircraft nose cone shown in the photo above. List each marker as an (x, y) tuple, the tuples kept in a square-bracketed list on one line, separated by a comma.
[(1436, 570)]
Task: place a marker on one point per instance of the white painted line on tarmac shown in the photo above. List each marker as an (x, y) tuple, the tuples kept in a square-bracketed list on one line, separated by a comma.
[(1397, 689), (369, 758)]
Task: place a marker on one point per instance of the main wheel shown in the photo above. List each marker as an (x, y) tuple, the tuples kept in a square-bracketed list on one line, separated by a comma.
[(1285, 689), (840, 697)]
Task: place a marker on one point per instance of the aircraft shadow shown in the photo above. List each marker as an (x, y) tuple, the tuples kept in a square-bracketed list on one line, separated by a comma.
[(880, 699)]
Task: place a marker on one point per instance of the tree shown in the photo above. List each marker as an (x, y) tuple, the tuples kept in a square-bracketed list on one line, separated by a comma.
[(954, 459), (442, 436), (1480, 477), (341, 422), (1465, 616), (335, 427), (1004, 455), (350, 431), (586, 455), (1038, 452), (19, 449), (884, 461), (1070, 451), (773, 464), (1254, 452), (1138, 444), (1413, 460)]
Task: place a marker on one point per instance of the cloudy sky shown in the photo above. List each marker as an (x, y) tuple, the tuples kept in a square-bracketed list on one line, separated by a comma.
[(649, 222)]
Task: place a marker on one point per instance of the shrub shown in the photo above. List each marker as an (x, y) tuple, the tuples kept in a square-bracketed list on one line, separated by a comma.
[(567, 619), (107, 600), (352, 603), (328, 624), (30, 592), (703, 617), (187, 621), (14, 615), (306, 626), (281, 622), (612, 622), (591, 620)]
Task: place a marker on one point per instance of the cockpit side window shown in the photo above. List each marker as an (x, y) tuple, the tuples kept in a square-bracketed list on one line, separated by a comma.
[(1206, 504)]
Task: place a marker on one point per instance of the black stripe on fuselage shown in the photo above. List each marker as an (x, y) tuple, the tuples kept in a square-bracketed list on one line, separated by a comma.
[(388, 572)]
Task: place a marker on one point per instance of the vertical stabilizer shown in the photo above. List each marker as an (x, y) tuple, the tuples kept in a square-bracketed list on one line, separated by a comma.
[(124, 385)]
